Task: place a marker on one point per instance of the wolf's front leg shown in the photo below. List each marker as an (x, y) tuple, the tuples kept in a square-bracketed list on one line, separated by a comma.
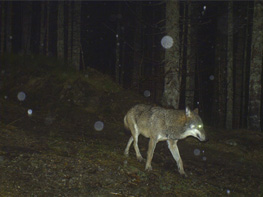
[(152, 145), (172, 145)]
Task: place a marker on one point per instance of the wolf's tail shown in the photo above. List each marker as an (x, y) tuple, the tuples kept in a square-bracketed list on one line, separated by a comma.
[(126, 122)]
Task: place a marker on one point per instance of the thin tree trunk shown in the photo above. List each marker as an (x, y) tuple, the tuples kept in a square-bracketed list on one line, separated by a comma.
[(76, 35), (60, 32), (27, 22), (183, 35), (246, 69), (255, 81), (117, 63), (137, 56), (229, 103), (42, 27), (9, 36), (191, 59), (69, 51), (153, 55), (3, 26), (47, 29), (239, 64), (219, 107), (122, 61), (172, 68)]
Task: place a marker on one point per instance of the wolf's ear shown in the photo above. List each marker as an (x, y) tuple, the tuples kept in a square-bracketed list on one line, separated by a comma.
[(188, 112), (196, 110)]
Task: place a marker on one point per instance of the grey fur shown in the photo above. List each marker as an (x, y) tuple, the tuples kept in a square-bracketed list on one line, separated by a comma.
[(161, 124)]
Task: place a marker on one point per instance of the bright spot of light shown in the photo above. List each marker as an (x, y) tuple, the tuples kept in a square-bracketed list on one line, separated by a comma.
[(21, 96), (228, 191), (99, 126), (204, 8), (204, 158), (196, 152), (147, 93), (167, 42), (5, 97), (29, 112)]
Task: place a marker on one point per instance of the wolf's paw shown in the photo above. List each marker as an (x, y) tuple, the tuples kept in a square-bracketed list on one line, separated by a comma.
[(183, 174), (140, 159), (148, 167)]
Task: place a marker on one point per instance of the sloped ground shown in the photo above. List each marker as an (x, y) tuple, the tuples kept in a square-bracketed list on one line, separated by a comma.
[(56, 151)]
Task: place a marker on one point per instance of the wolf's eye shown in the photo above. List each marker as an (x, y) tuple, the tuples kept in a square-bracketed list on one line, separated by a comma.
[(199, 126), (192, 126)]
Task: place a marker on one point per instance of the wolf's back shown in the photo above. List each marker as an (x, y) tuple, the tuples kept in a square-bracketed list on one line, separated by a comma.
[(134, 114)]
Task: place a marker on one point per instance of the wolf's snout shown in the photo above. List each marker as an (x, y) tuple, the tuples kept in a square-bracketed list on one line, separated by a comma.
[(202, 137), (205, 139)]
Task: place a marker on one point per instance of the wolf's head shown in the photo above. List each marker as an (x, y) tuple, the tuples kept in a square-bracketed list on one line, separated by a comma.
[(194, 125)]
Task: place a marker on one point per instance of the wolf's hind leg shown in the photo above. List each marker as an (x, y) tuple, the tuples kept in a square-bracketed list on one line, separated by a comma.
[(135, 134), (136, 148), (126, 152)]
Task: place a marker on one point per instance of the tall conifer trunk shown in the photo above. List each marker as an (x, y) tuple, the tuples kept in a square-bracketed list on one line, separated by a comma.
[(172, 68), (255, 81)]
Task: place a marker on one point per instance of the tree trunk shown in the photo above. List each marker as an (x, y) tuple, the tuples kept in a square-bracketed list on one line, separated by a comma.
[(27, 22), (117, 63), (42, 27), (239, 64), (9, 36), (247, 62), (137, 55), (122, 60), (76, 35), (47, 29), (3, 26), (191, 58), (255, 81), (172, 68), (229, 102), (60, 32), (69, 50), (219, 106)]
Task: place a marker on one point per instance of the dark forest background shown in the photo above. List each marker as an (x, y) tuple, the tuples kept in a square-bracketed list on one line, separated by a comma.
[(215, 62)]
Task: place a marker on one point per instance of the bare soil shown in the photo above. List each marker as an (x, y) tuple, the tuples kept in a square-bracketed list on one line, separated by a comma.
[(56, 151)]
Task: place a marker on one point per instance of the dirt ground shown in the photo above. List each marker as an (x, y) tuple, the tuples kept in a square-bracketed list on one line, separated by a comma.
[(57, 151)]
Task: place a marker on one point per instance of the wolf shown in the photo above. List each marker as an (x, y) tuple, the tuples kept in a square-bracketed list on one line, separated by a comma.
[(160, 124)]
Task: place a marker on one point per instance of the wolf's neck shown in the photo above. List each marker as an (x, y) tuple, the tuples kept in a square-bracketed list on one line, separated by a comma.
[(175, 134)]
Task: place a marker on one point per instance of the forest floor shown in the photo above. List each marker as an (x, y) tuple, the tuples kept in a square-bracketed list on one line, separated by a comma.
[(56, 150)]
